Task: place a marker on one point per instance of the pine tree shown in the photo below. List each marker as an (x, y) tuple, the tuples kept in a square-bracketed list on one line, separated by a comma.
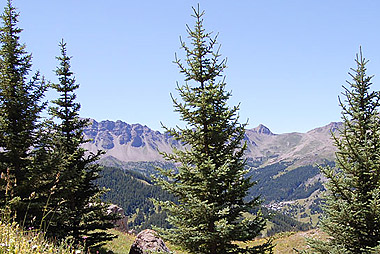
[(78, 211), (210, 183), (352, 209), (20, 106)]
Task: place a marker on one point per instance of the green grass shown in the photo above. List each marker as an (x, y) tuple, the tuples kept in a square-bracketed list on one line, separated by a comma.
[(290, 242), (119, 245), (285, 243), (14, 240), (123, 243)]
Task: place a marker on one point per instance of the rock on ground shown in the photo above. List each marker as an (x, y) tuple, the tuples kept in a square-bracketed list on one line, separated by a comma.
[(147, 241), (120, 224)]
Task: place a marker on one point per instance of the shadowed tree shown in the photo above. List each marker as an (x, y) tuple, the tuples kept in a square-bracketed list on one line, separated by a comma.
[(20, 107)]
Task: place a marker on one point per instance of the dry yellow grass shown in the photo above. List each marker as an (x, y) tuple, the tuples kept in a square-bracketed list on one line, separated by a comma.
[(290, 242), (123, 243), (285, 243), (14, 240)]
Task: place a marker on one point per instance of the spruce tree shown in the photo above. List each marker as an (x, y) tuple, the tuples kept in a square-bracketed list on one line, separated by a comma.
[(352, 209), (78, 214), (210, 183), (20, 107)]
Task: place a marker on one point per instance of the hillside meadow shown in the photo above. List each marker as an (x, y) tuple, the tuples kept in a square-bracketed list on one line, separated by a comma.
[(14, 240), (284, 243)]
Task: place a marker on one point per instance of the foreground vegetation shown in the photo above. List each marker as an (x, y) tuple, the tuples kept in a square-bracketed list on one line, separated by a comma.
[(210, 182), (48, 181), (284, 243), (46, 177), (352, 200), (14, 239)]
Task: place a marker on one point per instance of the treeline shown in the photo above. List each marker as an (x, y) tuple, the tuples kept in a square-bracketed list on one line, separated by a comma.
[(146, 168), (47, 179)]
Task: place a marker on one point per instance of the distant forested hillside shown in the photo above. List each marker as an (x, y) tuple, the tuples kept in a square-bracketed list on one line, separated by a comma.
[(277, 183), (132, 191), (282, 223)]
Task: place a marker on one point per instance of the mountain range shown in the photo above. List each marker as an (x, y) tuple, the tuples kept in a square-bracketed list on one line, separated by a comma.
[(135, 143), (283, 165)]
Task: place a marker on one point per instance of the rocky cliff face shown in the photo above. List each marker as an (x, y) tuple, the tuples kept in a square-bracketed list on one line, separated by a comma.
[(127, 142), (135, 142)]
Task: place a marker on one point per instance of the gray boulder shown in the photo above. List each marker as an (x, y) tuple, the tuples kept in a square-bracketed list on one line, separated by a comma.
[(147, 241), (122, 223)]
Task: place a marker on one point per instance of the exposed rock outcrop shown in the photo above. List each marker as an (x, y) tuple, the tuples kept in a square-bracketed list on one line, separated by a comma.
[(136, 143), (146, 242), (127, 142), (120, 224), (261, 129)]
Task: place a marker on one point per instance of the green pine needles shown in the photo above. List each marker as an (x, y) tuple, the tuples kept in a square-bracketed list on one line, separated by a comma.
[(352, 209), (210, 183), (79, 209), (47, 180), (20, 107)]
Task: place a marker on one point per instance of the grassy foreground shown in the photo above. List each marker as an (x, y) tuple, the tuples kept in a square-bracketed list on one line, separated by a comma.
[(285, 243), (123, 243), (14, 240)]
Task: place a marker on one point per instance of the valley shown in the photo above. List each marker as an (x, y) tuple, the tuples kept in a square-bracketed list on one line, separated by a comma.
[(284, 167)]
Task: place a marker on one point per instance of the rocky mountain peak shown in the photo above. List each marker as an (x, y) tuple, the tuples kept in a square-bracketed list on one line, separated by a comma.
[(334, 126), (328, 129), (261, 129), (127, 142)]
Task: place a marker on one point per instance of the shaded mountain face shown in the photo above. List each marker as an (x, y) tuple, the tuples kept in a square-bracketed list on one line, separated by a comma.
[(135, 142)]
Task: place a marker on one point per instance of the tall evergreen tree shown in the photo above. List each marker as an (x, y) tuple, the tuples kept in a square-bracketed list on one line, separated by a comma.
[(78, 210), (20, 106), (210, 183), (352, 209)]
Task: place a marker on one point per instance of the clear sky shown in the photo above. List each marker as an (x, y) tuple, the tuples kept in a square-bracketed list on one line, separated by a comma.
[(287, 60)]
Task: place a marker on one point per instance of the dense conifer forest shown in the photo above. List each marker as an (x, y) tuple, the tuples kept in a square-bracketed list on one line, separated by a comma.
[(133, 192)]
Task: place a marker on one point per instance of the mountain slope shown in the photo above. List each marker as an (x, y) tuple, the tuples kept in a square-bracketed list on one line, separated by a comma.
[(133, 192), (283, 165), (136, 142), (127, 142), (302, 149)]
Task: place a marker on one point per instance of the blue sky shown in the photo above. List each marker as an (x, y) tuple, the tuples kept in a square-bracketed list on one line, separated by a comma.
[(287, 60)]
